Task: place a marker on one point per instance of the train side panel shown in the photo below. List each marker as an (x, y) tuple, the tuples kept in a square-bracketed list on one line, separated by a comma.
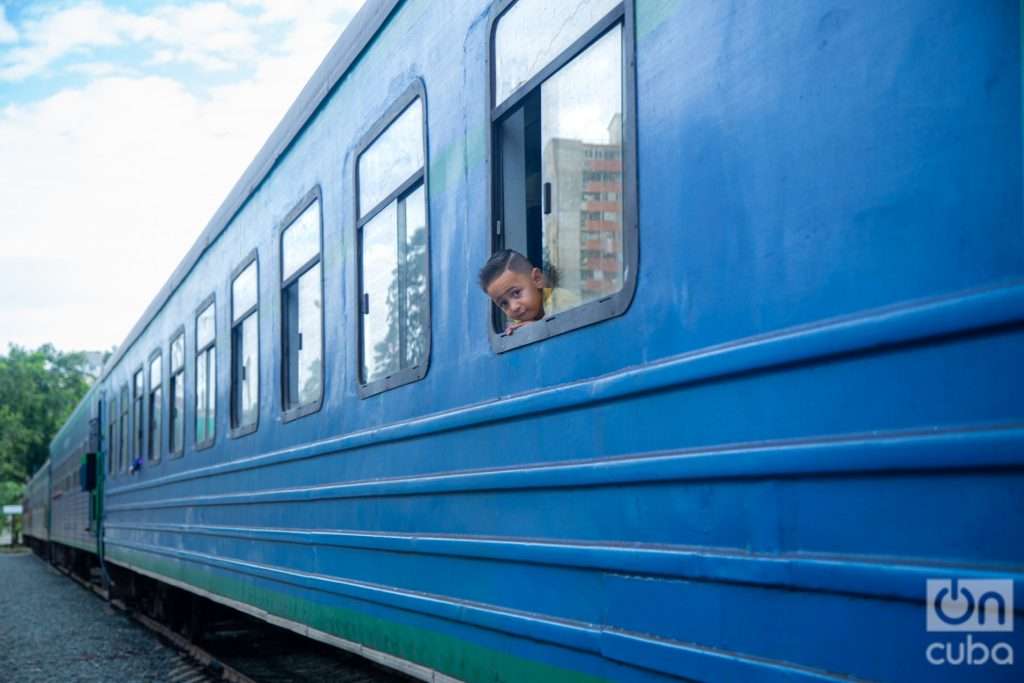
[(813, 405), (36, 519)]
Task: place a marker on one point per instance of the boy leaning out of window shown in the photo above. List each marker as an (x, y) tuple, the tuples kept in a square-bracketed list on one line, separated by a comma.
[(517, 287)]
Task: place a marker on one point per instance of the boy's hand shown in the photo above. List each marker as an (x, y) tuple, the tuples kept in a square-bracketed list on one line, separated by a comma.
[(515, 326)]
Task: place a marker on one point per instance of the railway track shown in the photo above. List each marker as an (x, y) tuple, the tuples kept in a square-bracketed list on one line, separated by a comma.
[(242, 649)]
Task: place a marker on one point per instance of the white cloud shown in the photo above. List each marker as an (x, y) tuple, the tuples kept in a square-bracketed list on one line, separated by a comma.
[(8, 34), (210, 35), (104, 187)]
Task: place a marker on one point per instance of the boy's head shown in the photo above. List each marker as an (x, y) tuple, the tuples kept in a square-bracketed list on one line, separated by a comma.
[(514, 285)]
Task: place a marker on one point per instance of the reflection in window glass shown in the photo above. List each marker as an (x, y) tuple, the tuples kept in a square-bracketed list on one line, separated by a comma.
[(112, 437), (302, 324), (416, 264), (245, 374), (392, 158), (533, 32), (248, 387), (205, 327), (303, 311), (380, 283), (123, 452), (243, 292), (301, 241), (206, 376), (177, 395), (393, 250), (155, 407), (138, 394), (581, 145)]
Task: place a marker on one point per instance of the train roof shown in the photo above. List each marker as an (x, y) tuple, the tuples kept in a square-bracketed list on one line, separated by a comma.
[(349, 47)]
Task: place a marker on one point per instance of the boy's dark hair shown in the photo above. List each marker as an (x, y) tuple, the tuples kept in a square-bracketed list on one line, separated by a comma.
[(500, 261)]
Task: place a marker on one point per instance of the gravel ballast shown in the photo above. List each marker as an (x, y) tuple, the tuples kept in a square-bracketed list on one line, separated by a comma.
[(52, 629)]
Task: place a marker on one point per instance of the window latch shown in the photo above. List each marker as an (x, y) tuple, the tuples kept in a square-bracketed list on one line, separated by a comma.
[(366, 303), (300, 341), (547, 198)]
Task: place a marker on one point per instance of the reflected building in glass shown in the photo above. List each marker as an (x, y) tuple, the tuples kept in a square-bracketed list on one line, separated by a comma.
[(583, 232)]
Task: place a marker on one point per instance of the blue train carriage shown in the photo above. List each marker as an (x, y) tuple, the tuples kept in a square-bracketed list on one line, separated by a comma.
[(776, 387), (74, 503), (36, 506)]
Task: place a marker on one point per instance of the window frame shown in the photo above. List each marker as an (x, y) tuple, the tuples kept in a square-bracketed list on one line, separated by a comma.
[(612, 305), (171, 452), (208, 301), (288, 414), (415, 91), (250, 258), (150, 456)]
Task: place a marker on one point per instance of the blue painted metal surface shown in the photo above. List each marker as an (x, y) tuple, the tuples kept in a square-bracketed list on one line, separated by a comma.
[(813, 405)]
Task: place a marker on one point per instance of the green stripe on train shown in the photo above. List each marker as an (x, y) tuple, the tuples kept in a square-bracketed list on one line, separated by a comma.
[(449, 655)]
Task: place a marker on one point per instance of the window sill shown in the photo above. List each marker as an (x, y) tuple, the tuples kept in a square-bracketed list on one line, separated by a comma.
[(566, 321)]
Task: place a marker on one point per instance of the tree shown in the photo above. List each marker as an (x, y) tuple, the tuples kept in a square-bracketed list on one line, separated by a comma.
[(405, 343), (38, 391)]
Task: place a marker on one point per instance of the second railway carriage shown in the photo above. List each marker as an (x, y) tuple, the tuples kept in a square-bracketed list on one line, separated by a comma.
[(778, 389), (36, 506)]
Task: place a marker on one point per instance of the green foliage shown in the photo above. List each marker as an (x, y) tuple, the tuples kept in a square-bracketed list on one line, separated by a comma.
[(11, 492), (38, 391)]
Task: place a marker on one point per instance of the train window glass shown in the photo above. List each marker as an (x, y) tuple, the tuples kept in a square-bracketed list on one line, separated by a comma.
[(111, 436), (393, 157), (393, 249), (206, 376), (125, 433), (176, 394), (533, 32), (245, 372), (138, 396), (156, 404), (302, 310), (563, 196)]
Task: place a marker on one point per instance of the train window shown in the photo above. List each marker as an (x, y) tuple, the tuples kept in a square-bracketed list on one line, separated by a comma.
[(138, 394), (111, 437), (122, 451), (561, 135), (206, 374), (302, 309), (177, 395), (245, 350), (394, 266), (156, 404)]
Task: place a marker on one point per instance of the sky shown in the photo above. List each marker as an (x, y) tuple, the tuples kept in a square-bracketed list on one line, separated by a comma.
[(123, 126)]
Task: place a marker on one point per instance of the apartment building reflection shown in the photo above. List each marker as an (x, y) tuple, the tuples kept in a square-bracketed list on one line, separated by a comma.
[(583, 232)]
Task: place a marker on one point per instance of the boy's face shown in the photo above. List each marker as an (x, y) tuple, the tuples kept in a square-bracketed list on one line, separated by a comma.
[(519, 295)]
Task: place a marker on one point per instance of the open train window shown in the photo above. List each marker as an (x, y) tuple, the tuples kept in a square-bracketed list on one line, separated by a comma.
[(156, 405), (302, 308), (176, 394), (206, 374), (394, 263), (245, 348), (564, 179), (138, 402), (125, 433)]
